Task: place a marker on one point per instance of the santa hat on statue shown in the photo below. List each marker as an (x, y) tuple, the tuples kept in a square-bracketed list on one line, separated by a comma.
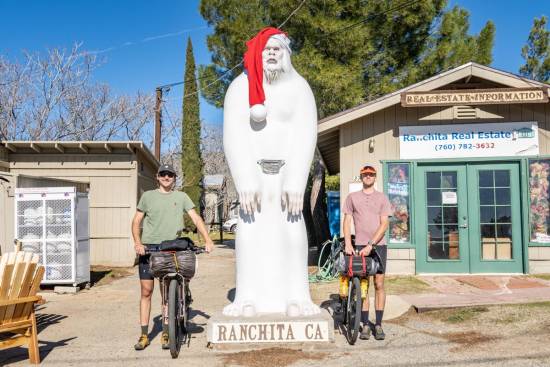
[(254, 67)]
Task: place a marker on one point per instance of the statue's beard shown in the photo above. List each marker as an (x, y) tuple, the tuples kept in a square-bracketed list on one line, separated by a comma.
[(271, 75)]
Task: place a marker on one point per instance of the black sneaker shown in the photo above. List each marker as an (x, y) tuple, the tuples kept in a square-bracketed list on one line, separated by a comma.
[(379, 333), (365, 332)]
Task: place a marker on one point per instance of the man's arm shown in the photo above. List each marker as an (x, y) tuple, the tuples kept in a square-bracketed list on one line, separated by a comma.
[(201, 227), (347, 234), (136, 233), (380, 232)]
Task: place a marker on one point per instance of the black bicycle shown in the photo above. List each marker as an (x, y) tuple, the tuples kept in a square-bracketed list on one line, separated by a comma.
[(355, 268), (351, 307), (176, 295)]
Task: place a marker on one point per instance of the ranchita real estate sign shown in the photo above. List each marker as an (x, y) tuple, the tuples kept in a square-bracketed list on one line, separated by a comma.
[(474, 97), (468, 140)]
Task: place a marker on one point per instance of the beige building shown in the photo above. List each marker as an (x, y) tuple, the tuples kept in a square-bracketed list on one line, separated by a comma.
[(115, 174), (464, 157)]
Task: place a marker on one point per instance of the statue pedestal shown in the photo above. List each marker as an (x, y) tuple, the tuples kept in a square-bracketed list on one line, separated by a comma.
[(270, 328)]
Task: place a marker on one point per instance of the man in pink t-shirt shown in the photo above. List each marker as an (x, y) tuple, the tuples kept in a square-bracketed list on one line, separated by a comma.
[(369, 209)]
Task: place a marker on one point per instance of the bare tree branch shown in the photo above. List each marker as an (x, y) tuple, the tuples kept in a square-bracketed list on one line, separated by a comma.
[(52, 97)]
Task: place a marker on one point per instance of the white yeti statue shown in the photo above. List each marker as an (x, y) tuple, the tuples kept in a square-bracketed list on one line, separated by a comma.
[(269, 148)]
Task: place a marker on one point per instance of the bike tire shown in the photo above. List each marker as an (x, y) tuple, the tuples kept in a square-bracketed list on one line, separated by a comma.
[(354, 310), (344, 310), (186, 303), (174, 330)]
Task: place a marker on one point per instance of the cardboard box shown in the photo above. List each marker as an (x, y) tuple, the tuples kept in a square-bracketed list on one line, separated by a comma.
[(504, 251), (489, 251)]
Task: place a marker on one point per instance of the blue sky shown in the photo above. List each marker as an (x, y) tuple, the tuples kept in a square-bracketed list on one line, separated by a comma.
[(144, 41)]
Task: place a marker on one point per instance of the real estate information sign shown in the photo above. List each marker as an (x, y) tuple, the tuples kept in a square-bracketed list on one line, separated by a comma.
[(469, 140)]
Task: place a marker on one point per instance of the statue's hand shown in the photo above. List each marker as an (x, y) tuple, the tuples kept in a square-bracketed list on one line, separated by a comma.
[(293, 200), (249, 200)]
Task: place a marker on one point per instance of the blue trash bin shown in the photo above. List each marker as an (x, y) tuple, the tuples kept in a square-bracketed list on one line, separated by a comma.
[(333, 207)]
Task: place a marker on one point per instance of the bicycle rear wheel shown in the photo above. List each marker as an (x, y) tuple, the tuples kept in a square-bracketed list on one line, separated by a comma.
[(354, 310), (174, 329)]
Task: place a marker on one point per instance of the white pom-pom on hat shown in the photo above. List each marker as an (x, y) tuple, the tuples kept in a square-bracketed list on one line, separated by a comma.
[(258, 112)]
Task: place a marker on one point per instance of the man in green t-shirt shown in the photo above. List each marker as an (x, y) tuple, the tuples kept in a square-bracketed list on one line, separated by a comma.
[(162, 212)]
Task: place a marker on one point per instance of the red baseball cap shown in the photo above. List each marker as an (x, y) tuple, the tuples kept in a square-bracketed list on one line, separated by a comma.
[(367, 169)]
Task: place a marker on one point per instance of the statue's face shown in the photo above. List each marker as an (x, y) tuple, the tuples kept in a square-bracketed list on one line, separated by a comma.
[(272, 55)]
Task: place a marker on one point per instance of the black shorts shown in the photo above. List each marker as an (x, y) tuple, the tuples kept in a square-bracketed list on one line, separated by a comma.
[(382, 252), (144, 269)]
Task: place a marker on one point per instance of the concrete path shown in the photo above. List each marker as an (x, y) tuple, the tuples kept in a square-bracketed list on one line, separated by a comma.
[(479, 290)]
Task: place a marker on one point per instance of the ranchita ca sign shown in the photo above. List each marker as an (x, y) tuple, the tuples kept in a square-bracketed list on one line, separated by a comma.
[(474, 97), (266, 332)]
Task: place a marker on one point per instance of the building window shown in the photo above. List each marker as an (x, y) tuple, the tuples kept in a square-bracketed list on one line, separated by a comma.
[(398, 193), (539, 194)]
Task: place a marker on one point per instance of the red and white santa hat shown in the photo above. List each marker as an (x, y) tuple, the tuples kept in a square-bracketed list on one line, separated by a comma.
[(254, 67)]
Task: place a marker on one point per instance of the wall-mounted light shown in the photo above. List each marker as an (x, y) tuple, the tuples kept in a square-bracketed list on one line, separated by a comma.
[(371, 145)]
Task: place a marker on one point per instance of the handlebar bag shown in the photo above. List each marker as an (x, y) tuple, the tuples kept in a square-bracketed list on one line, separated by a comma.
[(179, 244), (182, 262), (355, 265)]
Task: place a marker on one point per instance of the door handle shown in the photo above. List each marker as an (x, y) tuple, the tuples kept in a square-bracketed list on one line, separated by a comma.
[(465, 225)]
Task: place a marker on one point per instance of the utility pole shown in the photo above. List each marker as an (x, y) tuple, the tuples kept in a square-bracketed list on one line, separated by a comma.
[(158, 115), (158, 122)]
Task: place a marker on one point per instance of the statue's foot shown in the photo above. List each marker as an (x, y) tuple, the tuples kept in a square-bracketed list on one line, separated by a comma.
[(303, 308), (236, 309)]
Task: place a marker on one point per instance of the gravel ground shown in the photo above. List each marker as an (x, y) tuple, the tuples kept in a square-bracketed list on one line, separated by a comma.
[(98, 327)]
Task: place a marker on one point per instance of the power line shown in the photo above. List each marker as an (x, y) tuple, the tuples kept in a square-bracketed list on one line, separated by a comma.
[(363, 21), (373, 16), (291, 14), (234, 67)]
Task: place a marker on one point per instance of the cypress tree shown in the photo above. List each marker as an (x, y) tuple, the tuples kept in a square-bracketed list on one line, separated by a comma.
[(191, 159)]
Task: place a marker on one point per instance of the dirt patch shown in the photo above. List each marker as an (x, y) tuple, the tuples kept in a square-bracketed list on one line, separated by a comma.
[(540, 276), (467, 339), (406, 285), (458, 315), (101, 275), (274, 357)]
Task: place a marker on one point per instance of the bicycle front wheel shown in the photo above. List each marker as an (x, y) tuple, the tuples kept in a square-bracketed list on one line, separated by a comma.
[(354, 310), (174, 330)]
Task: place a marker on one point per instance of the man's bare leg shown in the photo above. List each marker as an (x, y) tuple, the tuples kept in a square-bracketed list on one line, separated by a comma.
[(365, 331), (379, 304), (147, 287)]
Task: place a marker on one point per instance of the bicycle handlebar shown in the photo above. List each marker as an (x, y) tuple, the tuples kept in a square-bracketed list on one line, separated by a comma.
[(197, 250)]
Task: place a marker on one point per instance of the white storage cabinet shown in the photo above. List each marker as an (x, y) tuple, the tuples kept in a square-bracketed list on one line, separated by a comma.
[(53, 222)]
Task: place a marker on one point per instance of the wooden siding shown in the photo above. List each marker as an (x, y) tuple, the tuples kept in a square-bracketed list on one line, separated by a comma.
[(383, 127), (7, 213), (113, 194)]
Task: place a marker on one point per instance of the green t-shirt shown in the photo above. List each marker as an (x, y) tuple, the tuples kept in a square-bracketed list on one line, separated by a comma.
[(163, 214)]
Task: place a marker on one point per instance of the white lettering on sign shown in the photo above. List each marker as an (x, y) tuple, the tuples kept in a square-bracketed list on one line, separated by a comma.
[(296, 331), (469, 140)]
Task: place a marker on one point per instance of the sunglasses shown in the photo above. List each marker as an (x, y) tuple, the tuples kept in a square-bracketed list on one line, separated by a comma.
[(369, 174), (166, 174)]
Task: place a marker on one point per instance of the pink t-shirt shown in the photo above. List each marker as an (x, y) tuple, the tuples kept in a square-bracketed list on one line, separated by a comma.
[(366, 210)]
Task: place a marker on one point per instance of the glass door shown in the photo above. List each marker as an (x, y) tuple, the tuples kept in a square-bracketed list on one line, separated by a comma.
[(442, 219), (495, 218)]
